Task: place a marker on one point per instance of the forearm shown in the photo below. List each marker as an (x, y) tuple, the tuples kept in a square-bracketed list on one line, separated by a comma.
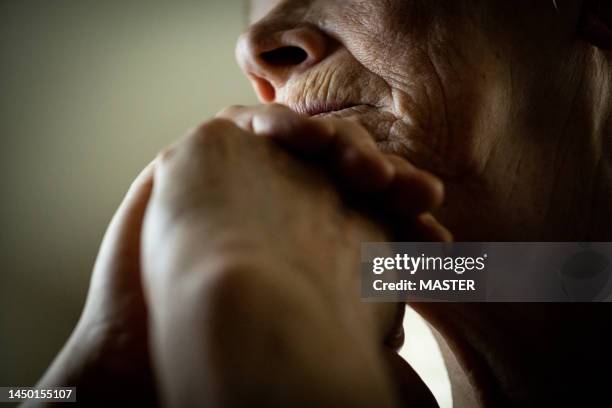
[(249, 331), (88, 364), (68, 369)]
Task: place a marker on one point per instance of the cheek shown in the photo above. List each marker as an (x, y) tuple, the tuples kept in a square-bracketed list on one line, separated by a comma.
[(446, 98), (436, 104), (439, 72), (467, 110)]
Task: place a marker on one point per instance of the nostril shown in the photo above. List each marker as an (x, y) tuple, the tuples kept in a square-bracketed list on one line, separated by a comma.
[(284, 56)]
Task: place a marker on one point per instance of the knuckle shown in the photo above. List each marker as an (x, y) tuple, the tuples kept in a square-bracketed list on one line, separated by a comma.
[(213, 128), (349, 124), (276, 109), (210, 132), (277, 119), (356, 128), (230, 111), (165, 156), (201, 139)]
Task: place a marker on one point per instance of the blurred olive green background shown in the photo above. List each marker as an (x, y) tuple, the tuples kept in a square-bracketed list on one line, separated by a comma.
[(90, 91)]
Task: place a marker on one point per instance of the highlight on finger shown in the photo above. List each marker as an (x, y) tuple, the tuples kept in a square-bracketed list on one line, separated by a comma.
[(241, 115), (357, 159), (296, 132), (413, 191), (427, 228)]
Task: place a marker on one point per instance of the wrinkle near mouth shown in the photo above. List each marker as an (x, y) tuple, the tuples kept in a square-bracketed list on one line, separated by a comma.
[(322, 109), (319, 108), (351, 110)]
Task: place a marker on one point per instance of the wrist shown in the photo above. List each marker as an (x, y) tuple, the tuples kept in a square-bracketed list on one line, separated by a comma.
[(244, 328)]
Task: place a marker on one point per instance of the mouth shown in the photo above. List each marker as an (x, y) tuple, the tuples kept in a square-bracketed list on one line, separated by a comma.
[(377, 120), (345, 111), (388, 131), (324, 109)]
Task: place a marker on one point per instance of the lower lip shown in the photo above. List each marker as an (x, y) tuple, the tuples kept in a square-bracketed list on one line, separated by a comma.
[(351, 110), (373, 119), (377, 121), (391, 134)]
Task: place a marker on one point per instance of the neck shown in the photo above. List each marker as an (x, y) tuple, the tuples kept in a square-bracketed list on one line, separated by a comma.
[(551, 182), (511, 354)]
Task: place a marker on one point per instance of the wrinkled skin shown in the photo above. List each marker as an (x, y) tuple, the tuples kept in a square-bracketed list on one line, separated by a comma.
[(506, 102), (224, 252), (495, 97), (238, 230), (509, 103)]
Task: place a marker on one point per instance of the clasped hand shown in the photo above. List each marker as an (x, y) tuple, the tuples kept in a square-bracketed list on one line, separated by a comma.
[(230, 271)]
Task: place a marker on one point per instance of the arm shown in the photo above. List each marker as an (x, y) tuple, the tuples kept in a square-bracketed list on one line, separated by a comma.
[(107, 356), (259, 333)]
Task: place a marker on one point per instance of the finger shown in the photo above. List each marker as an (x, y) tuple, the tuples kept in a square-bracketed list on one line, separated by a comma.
[(358, 160), (412, 191), (396, 336), (296, 132), (272, 120), (410, 388), (241, 115), (278, 122), (347, 144), (427, 229)]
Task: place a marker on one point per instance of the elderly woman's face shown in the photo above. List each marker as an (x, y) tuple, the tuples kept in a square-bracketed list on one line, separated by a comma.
[(458, 87)]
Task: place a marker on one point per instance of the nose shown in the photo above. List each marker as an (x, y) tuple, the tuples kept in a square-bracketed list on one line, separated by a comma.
[(269, 57)]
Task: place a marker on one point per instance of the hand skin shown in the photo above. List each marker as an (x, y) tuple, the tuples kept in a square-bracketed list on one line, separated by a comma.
[(399, 190), (107, 357), (509, 102), (250, 262)]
